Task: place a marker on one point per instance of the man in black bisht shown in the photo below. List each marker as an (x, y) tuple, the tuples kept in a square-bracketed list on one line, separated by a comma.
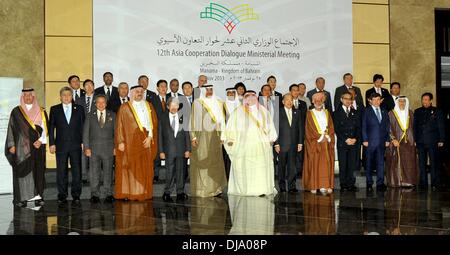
[(25, 149)]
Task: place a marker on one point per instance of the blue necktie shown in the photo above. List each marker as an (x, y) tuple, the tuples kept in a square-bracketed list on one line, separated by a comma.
[(378, 114), (68, 113)]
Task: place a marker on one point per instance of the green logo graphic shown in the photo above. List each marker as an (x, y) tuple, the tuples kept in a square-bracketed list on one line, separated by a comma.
[(229, 18)]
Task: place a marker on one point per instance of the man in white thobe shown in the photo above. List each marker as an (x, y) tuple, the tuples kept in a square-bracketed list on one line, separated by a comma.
[(248, 139)]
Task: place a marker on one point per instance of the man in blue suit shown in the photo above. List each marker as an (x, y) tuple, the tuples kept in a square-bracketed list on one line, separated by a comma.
[(67, 118), (375, 132)]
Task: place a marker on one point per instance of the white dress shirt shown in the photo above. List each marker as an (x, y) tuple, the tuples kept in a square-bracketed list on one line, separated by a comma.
[(177, 123), (122, 101), (75, 93), (142, 114), (99, 113), (105, 87), (322, 121), (288, 114), (375, 111)]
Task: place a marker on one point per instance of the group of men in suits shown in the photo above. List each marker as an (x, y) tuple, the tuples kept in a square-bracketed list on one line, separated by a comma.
[(91, 153)]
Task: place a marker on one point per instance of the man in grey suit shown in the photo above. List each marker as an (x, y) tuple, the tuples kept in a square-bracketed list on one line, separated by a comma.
[(320, 85), (174, 146), (98, 140), (202, 80), (348, 84), (87, 101)]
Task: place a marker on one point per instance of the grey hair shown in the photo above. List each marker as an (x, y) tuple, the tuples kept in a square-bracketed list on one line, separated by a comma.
[(64, 89)]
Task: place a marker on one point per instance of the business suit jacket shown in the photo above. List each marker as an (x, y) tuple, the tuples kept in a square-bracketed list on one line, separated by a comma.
[(185, 110), (82, 93), (99, 140), (388, 102), (69, 136), (112, 100), (170, 145), (82, 101), (150, 96), (115, 104), (341, 90), (346, 127), (290, 135), (429, 126), (157, 104), (328, 104), (372, 131)]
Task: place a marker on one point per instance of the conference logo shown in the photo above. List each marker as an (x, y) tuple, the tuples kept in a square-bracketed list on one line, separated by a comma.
[(229, 18)]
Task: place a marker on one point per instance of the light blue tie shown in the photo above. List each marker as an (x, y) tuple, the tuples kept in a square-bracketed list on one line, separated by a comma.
[(378, 114), (68, 114)]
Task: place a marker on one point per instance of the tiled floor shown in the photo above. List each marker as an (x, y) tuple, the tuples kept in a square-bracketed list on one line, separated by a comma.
[(391, 212)]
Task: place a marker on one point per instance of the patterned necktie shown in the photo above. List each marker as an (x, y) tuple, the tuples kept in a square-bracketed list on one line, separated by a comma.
[(108, 93), (163, 102), (347, 111), (88, 104), (296, 104), (76, 95), (173, 126), (102, 120), (378, 114)]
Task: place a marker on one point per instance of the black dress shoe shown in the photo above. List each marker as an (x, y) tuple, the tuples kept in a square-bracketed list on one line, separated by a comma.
[(182, 197), (109, 199), (62, 200), (155, 179), (369, 188), (218, 195), (94, 199), (381, 187), (85, 182), (282, 190), (294, 190), (167, 198)]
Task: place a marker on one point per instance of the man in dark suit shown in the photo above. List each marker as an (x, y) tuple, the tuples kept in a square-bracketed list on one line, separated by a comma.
[(375, 135), (429, 132), (276, 96), (302, 108), (74, 83), (174, 87), (320, 85), (108, 90), (123, 98), (67, 119), (160, 104), (347, 125), (185, 109), (174, 147), (348, 84), (149, 95), (98, 141), (288, 144), (87, 101), (387, 102)]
